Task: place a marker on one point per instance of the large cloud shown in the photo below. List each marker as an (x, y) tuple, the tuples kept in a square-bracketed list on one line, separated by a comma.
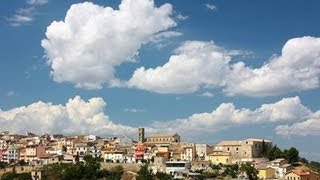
[(199, 64), (297, 69), (85, 48), (288, 116), (310, 126), (77, 116), (226, 115), (194, 65)]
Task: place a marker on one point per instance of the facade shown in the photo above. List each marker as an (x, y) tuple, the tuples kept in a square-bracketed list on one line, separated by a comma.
[(165, 138), (116, 156), (177, 168), (81, 149), (139, 152), (94, 151), (13, 154), (141, 137), (188, 153), (219, 157), (244, 150), (281, 167), (202, 150), (301, 175), (34, 152), (266, 173)]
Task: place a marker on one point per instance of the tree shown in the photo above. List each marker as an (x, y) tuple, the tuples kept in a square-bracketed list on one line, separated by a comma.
[(64, 149), (116, 173), (163, 176), (232, 171), (274, 153), (15, 176), (145, 173), (264, 149), (249, 170), (292, 155)]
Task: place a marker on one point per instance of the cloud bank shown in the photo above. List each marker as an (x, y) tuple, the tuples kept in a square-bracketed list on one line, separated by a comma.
[(289, 117), (92, 40), (76, 116), (200, 65)]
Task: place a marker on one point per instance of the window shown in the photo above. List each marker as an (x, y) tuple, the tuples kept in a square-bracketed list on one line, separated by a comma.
[(228, 149), (237, 149)]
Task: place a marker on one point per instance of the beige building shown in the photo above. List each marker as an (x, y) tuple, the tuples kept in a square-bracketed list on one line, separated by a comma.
[(244, 150), (266, 173), (34, 152), (301, 175), (219, 157), (165, 138)]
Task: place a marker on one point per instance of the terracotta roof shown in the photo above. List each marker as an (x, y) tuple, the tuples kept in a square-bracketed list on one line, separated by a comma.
[(169, 134)]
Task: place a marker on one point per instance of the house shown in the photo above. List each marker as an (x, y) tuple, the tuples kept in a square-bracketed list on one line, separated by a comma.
[(299, 174), (199, 165), (116, 156), (81, 149), (13, 153), (242, 151), (188, 153), (266, 173), (94, 151), (202, 150), (177, 168), (219, 157), (159, 164), (281, 167), (34, 152), (163, 138)]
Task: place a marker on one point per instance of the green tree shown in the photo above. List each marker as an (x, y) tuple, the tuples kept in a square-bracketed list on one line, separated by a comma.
[(292, 155), (163, 176), (232, 171), (264, 149), (145, 173), (274, 153), (16, 176), (249, 170), (3, 165), (115, 173)]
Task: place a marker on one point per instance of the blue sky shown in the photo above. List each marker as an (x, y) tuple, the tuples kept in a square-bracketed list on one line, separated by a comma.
[(210, 70)]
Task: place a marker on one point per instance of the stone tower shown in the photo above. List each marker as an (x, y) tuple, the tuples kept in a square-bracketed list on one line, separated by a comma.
[(141, 135)]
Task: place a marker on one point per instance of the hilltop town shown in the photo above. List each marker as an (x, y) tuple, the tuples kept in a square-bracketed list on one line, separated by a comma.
[(164, 153)]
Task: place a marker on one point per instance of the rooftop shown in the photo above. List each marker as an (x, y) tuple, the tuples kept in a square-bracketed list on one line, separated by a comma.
[(169, 134)]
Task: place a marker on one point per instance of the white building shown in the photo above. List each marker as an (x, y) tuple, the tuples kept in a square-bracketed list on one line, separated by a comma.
[(115, 156), (188, 153), (281, 167), (13, 153), (202, 150), (177, 168)]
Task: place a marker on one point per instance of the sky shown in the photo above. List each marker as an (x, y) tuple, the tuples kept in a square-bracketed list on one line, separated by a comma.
[(209, 70)]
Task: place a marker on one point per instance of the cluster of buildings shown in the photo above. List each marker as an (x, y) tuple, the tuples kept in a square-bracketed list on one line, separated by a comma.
[(165, 152)]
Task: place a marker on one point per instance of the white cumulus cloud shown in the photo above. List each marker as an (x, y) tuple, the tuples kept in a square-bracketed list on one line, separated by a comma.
[(198, 64), (76, 116), (195, 64), (85, 47), (226, 115), (310, 126), (296, 69)]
